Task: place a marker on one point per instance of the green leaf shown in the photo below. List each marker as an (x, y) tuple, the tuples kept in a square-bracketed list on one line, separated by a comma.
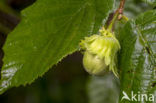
[(49, 31), (138, 56), (104, 89)]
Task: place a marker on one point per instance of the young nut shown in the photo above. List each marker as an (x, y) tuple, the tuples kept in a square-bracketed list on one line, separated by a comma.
[(93, 64), (100, 53)]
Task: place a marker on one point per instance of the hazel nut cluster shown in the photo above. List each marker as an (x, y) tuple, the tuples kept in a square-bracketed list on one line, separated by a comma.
[(100, 53)]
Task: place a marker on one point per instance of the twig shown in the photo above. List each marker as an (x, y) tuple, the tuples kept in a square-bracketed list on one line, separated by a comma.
[(117, 15), (121, 7)]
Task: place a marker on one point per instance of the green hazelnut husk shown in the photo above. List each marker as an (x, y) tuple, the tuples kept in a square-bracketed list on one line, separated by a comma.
[(92, 61), (100, 53)]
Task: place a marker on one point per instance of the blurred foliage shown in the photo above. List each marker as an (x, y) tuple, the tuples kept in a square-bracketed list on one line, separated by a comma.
[(133, 8), (103, 89), (6, 8), (151, 2), (8, 18)]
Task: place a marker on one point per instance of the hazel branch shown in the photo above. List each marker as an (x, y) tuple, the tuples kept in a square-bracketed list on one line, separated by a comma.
[(117, 15)]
